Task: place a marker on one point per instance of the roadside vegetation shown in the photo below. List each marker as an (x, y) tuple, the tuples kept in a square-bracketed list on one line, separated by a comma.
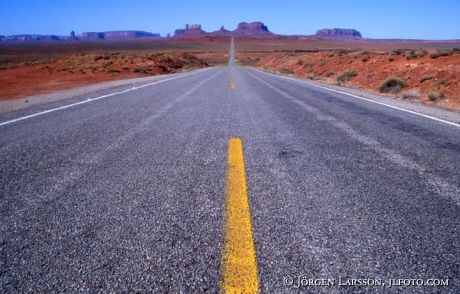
[(286, 71), (346, 75), (329, 73), (434, 96), (426, 75), (392, 85)]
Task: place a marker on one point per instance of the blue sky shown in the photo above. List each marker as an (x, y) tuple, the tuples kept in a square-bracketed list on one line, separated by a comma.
[(410, 19)]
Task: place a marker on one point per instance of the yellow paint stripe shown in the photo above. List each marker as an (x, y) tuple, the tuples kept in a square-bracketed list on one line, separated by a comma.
[(232, 86), (238, 262)]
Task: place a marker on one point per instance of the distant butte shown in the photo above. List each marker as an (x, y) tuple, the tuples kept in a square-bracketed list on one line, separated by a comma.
[(247, 29), (193, 30), (256, 29), (339, 33), (28, 38), (72, 36), (117, 35)]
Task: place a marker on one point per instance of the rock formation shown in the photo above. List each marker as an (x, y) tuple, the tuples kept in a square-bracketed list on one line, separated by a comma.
[(253, 28), (178, 32), (72, 36), (339, 33), (29, 38), (243, 29), (222, 32), (92, 35), (193, 30), (116, 35), (129, 35)]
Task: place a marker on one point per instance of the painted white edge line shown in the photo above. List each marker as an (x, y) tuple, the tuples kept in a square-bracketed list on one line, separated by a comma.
[(97, 98), (370, 100)]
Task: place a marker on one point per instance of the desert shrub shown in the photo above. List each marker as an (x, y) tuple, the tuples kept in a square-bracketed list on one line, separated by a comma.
[(434, 55), (433, 96), (286, 71), (310, 76), (426, 78), (96, 58), (366, 52), (300, 62), (186, 61), (107, 63), (391, 59), (365, 58), (125, 68), (442, 81), (397, 52), (444, 52), (149, 56), (392, 85), (329, 73), (370, 75), (140, 70), (106, 57), (345, 76), (112, 70), (308, 64), (410, 55), (420, 53)]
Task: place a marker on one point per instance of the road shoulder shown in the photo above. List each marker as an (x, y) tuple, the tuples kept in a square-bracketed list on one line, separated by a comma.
[(428, 110)]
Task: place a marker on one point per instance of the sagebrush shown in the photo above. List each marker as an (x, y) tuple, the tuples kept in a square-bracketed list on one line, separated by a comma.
[(345, 76), (392, 85)]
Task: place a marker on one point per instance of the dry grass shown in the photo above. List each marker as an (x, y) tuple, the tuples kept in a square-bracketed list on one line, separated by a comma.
[(345, 76), (392, 85)]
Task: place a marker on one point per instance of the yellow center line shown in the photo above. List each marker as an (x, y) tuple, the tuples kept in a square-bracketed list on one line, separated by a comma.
[(238, 262), (232, 85)]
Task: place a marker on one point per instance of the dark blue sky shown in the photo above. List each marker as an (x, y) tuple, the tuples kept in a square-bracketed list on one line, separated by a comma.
[(411, 19)]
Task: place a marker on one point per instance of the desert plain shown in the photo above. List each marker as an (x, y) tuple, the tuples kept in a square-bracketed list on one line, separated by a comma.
[(429, 70)]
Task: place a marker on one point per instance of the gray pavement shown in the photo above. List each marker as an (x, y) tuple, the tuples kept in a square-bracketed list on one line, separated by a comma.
[(125, 193)]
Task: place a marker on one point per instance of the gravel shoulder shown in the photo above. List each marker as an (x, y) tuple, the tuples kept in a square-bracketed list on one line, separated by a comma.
[(26, 102)]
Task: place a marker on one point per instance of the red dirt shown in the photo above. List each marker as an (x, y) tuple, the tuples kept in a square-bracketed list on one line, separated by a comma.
[(30, 69), (31, 77), (423, 75)]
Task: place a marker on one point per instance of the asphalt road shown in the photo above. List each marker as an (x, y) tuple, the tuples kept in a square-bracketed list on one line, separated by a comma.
[(126, 193)]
